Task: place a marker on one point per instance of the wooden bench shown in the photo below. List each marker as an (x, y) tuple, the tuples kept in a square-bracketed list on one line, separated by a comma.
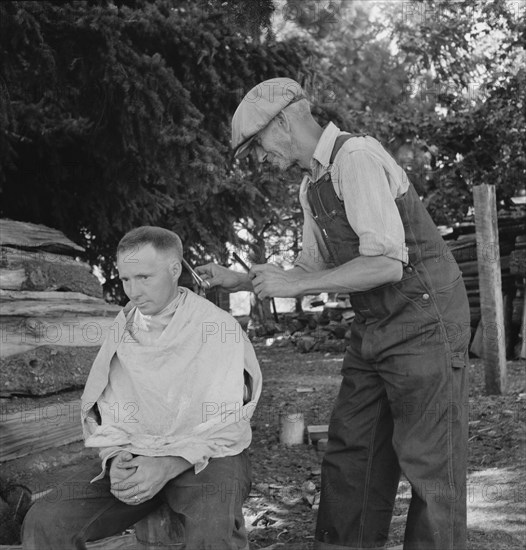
[(159, 530)]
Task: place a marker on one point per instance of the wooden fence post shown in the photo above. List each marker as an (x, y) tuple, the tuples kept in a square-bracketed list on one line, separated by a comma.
[(490, 283)]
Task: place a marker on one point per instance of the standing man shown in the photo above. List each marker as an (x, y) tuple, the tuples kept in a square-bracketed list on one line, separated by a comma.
[(168, 403), (402, 404)]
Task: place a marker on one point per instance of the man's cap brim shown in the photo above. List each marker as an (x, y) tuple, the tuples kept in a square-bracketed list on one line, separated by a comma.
[(244, 149)]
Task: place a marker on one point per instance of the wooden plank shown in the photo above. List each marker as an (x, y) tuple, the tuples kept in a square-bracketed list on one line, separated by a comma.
[(317, 432), (469, 268), (30, 235), (490, 284), (13, 257), (27, 270), (30, 431), (122, 542), (27, 303), (476, 344), (12, 279), (518, 262), (19, 334)]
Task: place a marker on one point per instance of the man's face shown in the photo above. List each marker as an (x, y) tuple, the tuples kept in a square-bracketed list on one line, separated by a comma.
[(149, 277), (273, 144)]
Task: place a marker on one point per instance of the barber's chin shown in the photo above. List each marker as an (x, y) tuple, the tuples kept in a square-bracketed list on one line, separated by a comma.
[(283, 164)]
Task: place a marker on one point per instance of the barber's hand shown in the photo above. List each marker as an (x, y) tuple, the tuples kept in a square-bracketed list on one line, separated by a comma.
[(271, 281), (120, 468), (150, 476), (217, 275)]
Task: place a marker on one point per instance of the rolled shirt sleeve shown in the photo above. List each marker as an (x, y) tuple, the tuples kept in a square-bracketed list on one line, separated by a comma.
[(361, 182)]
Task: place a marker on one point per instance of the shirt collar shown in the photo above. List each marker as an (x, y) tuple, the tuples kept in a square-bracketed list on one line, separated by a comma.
[(321, 159), (160, 320)]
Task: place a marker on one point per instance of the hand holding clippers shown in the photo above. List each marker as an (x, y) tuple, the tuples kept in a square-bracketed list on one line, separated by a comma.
[(205, 285)]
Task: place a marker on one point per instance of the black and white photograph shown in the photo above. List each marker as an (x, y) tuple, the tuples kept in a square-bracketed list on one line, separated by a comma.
[(262, 275)]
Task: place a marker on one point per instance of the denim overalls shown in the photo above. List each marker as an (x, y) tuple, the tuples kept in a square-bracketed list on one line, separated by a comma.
[(402, 404)]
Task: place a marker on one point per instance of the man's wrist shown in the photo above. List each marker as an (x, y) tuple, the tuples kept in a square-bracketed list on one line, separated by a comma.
[(243, 283), (176, 465), (300, 282)]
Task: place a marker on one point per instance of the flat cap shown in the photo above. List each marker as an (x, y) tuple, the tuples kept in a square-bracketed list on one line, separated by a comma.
[(259, 107)]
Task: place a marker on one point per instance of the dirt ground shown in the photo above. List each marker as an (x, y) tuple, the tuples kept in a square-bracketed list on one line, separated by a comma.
[(286, 480), (278, 510)]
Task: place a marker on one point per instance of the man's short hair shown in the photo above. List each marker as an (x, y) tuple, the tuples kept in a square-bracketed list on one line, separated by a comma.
[(161, 239)]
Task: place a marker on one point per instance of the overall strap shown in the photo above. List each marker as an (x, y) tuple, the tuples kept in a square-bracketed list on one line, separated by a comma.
[(340, 140)]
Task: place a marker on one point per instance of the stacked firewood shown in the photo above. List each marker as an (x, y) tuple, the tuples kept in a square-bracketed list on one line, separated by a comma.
[(518, 313), (463, 246), (53, 318), (326, 331)]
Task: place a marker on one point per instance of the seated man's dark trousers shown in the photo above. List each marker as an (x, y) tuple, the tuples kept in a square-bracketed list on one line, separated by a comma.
[(210, 505)]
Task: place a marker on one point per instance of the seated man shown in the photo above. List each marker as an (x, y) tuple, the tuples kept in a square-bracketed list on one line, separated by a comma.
[(168, 402)]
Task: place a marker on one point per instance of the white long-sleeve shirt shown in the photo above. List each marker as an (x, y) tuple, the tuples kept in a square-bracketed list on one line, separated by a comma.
[(368, 180)]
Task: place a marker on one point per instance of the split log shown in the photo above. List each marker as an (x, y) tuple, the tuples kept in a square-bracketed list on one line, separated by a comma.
[(30, 431), (123, 542), (45, 370), (317, 432), (20, 334), (24, 270), (32, 236), (27, 303), (518, 262), (12, 279), (469, 269)]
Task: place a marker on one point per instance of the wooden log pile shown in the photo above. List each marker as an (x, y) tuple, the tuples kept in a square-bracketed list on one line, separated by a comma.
[(518, 313), (52, 316), (463, 245), (327, 331)]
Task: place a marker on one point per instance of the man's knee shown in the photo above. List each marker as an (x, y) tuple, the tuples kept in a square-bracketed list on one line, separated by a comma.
[(41, 528), (36, 519)]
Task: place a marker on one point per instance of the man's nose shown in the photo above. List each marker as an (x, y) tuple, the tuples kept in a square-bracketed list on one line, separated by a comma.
[(134, 290), (261, 154)]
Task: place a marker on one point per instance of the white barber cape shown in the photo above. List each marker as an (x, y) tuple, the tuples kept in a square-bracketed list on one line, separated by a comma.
[(172, 384)]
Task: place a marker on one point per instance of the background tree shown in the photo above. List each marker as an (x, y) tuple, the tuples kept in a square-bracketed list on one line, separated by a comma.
[(441, 84), (118, 114)]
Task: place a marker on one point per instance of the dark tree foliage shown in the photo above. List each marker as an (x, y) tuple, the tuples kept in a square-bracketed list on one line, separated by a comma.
[(444, 79), (117, 115)]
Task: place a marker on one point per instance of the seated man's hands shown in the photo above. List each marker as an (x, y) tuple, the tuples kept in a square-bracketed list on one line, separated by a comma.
[(150, 475), (217, 275), (120, 468)]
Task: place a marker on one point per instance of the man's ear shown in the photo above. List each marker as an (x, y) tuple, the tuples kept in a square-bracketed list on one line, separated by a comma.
[(176, 268)]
